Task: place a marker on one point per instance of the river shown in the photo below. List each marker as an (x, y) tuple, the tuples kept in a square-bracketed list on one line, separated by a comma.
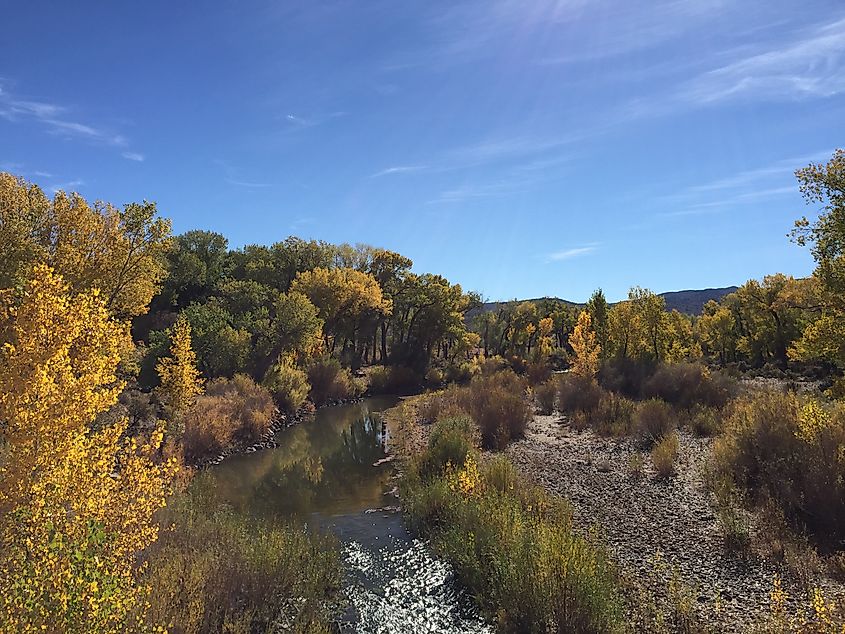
[(329, 473)]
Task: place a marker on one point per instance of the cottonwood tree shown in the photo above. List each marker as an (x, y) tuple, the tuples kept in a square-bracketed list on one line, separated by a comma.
[(119, 252), (825, 184), (586, 349), (76, 504)]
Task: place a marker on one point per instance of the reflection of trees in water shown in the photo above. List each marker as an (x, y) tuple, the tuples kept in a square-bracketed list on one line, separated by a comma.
[(315, 468), (362, 441)]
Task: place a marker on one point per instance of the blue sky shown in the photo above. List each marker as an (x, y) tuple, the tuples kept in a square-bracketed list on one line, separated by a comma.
[(521, 148)]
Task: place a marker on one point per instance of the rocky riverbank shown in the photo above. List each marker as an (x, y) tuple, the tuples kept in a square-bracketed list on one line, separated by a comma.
[(663, 532)]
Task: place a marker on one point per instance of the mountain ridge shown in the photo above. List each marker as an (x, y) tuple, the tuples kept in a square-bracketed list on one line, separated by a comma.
[(688, 301)]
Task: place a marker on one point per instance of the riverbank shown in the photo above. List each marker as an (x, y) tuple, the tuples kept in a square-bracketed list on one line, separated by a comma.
[(663, 533)]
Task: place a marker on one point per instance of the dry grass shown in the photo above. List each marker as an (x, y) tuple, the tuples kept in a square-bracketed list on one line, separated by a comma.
[(653, 420), (231, 410), (664, 454)]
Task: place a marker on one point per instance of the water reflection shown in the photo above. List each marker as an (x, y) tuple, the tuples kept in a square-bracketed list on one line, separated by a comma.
[(323, 472), (322, 466)]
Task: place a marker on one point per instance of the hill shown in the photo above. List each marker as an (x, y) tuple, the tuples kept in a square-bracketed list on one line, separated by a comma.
[(690, 302)]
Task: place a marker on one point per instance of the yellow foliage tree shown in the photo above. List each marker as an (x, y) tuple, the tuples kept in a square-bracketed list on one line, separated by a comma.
[(343, 296), (76, 505), (180, 379), (120, 252), (585, 347)]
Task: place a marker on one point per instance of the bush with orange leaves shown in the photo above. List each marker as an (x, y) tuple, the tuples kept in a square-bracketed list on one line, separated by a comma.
[(231, 411)]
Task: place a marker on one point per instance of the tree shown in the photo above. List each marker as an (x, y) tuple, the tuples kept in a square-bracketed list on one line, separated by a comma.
[(76, 505), (120, 252), (343, 296), (198, 262), (598, 308), (180, 381), (585, 347), (717, 331), (825, 183)]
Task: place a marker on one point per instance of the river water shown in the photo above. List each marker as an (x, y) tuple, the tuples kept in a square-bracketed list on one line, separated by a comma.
[(327, 473)]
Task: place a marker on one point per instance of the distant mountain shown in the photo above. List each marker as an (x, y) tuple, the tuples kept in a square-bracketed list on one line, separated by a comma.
[(690, 302)]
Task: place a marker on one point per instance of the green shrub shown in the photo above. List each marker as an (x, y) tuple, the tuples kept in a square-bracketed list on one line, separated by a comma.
[(329, 382), (545, 395), (450, 442), (653, 419), (577, 394), (288, 385), (514, 547), (704, 421), (214, 572), (684, 385), (461, 372), (498, 405), (790, 452), (614, 415), (664, 454)]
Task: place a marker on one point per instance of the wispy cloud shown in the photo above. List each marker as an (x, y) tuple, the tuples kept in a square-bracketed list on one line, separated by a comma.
[(55, 120), (398, 169), (134, 156), (233, 176), (297, 121), (571, 253), (248, 184), (69, 186), (744, 188), (811, 65)]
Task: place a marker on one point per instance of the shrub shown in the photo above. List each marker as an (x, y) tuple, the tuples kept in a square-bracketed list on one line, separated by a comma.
[(577, 394), (664, 454), (231, 410), (524, 563), (493, 365), (450, 442), (434, 377), (545, 395), (538, 372), (288, 385), (329, 382), (393, 379), (614, 415), (461, 372), (626, 376), (216, 572), (687, 384), (498, 405), (447, 403), (704, 421), (635, 464), (251, 405), (790, 452), (653, 419)]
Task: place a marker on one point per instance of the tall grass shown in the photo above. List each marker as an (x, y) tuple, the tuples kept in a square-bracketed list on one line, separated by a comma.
[(214, 571), (511, 544)]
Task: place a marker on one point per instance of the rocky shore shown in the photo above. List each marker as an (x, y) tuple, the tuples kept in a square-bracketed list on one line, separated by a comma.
[(662, 532)]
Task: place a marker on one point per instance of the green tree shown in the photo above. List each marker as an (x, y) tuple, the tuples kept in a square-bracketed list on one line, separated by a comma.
[(824, 338)]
